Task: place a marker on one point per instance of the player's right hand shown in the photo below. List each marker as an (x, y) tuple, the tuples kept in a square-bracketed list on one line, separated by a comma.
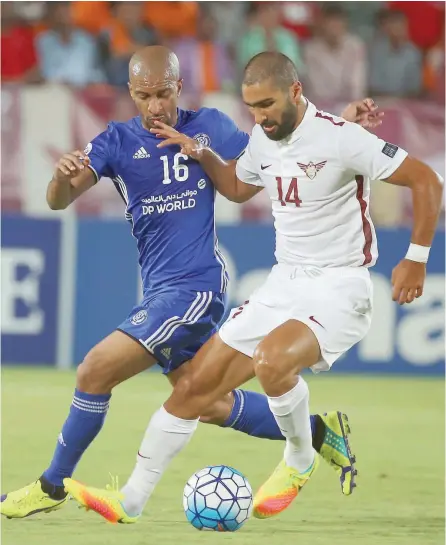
[(188, 146), (408, 280), (70, 165)]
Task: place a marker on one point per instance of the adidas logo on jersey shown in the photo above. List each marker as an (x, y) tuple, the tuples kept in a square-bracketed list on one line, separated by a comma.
[(166, 352), (141, 154)]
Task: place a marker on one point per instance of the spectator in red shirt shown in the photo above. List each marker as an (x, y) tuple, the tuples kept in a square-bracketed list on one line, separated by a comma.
[(425, 21), (19, 61)]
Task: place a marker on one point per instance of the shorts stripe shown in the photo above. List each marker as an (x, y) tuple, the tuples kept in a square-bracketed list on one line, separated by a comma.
[(166, 330), (157, 333), (192, 319), (169, 323)]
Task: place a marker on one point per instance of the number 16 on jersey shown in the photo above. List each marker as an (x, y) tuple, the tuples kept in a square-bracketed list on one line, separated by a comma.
[(180, 171)]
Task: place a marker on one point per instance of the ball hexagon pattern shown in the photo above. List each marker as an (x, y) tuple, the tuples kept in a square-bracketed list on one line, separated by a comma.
[(217, 498)]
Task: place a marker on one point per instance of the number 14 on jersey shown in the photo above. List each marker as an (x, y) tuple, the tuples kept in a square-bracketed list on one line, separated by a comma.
[(292, 194)]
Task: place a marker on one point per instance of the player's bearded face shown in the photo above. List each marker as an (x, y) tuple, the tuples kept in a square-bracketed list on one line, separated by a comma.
[(281, 124), (272, 109), (156, 102)]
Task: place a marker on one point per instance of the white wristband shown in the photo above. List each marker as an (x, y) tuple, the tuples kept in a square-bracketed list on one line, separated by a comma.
[(418, 253)]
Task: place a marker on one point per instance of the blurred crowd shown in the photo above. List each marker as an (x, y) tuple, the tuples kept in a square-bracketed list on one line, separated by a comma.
[(342, 50)]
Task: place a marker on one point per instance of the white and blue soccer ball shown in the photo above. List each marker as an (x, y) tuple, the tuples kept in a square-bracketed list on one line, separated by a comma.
[(217, 498)]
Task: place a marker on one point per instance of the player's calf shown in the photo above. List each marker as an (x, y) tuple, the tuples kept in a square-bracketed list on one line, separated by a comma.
[(278, 359), (219, 412), (116, 358)]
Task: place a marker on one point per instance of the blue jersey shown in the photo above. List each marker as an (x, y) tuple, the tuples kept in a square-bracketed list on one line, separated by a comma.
[(169, 198)]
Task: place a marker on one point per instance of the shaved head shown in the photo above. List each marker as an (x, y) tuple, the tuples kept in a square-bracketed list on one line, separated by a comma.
[(155, 63), (273, 92), (155, 84), (273, 66)]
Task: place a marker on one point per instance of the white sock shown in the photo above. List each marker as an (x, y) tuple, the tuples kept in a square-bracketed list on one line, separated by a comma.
[(292, 414), (165, 437)]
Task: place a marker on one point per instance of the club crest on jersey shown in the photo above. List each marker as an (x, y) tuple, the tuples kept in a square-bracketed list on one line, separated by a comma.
[(139, 317), (203, 139), (311, 169), (88, 148)]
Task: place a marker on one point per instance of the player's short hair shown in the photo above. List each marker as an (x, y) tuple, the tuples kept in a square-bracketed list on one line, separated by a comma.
[(271, 65)]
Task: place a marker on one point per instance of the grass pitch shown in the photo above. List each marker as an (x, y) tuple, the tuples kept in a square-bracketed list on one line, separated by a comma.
[(398, 436)]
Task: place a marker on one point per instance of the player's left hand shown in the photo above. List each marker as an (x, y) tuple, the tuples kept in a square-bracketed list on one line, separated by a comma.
[(408, 281), (364, 112), (188, 145)]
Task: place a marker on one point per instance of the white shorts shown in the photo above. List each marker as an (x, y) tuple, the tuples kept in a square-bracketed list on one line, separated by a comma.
[(335, 303)]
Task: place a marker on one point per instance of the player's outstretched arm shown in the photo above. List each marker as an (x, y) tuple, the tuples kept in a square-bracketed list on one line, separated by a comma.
[(427, 189), (221, 172), (224, 177), (71, 178)]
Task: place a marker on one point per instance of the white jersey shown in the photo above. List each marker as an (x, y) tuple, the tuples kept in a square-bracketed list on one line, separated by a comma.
[(318, 180)]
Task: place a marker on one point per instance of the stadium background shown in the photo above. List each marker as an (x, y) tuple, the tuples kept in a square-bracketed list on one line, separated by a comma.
[(67, 279)]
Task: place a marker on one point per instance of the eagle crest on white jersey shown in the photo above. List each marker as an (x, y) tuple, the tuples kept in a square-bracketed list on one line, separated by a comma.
[(311, 169)]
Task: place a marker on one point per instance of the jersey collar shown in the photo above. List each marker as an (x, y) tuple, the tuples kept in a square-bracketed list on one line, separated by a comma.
[(181, 117)]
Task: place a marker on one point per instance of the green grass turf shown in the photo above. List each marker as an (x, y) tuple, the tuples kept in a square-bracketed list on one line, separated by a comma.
[(398, 435)]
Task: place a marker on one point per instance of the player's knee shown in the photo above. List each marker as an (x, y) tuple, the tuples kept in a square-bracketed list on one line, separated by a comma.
[(187, 399), (184, 396), (84, 377), (269, 365), (94, 373)]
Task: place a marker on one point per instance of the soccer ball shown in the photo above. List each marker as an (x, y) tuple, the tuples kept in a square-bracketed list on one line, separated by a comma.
[(217, 498)]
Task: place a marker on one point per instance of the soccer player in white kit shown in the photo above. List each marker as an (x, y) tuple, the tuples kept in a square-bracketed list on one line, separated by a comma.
[(317, 301)]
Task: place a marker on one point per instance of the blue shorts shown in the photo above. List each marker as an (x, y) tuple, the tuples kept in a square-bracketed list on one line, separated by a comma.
[(174, 324)]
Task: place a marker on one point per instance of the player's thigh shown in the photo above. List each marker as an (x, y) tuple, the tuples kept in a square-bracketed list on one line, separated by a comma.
[(301, 318), (115, 359), (249, 323), (337, 308), (215, 371)]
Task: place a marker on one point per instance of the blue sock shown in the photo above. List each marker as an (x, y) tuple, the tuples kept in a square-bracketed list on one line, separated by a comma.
[(84, 422), (251, 414)]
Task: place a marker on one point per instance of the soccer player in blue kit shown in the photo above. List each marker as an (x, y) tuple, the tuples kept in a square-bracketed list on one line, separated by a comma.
[(169, 203)]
